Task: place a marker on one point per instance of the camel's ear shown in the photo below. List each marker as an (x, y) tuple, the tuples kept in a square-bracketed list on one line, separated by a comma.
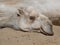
[(21, 11)]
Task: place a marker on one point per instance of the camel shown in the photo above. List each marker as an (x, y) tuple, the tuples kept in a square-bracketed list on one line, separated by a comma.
[(46, 12), (24, 19)]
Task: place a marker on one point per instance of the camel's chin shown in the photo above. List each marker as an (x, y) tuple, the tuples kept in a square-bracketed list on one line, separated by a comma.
[(25, 29)]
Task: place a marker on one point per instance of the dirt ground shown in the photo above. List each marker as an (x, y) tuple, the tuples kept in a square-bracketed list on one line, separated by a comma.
[(9, 36)]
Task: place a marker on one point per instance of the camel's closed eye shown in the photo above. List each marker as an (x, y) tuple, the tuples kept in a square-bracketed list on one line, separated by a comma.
[(32, 18)]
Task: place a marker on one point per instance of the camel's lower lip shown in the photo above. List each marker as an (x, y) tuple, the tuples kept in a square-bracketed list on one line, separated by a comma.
[(47, 34)]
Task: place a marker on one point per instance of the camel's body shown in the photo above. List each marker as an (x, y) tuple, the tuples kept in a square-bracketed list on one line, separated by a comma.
[(44, 6), (50, 8)]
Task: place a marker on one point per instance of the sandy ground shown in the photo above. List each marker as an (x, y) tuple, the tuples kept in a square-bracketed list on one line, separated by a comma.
[(9, 36)]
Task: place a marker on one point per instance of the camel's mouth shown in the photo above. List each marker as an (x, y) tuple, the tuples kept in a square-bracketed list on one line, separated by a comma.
[(46, 31)]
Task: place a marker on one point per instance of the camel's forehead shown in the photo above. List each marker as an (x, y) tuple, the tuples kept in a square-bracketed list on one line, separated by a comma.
[(31, 11)]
